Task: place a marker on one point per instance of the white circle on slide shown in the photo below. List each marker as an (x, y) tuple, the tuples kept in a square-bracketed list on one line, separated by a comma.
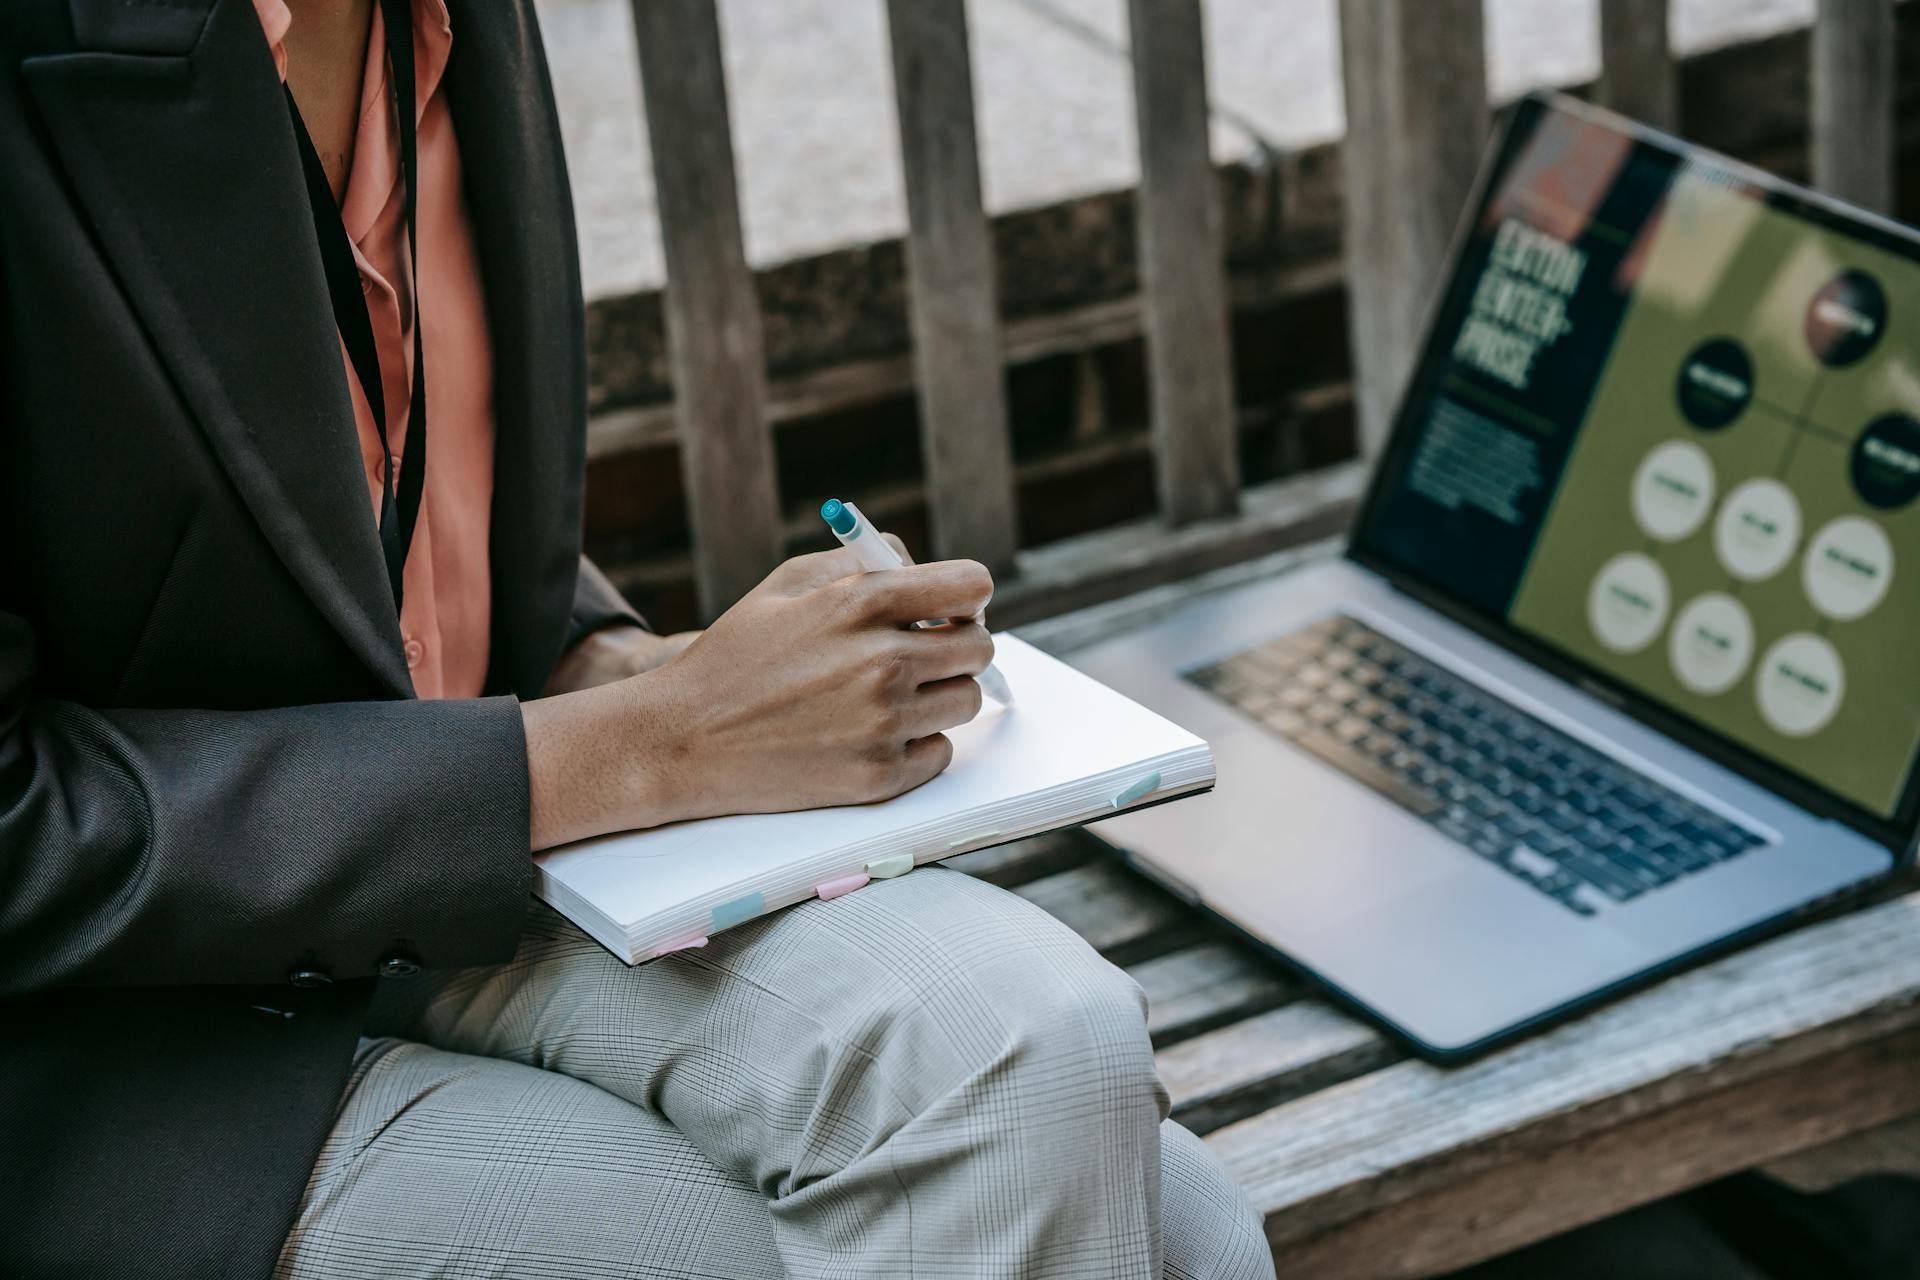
[(1800, 684), (1758, 529), (1849, 567), (1627, 604), (1673, 490), (1711, 643)]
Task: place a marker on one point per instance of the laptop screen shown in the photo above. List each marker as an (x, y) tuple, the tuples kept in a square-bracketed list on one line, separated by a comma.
[(1664, 427)]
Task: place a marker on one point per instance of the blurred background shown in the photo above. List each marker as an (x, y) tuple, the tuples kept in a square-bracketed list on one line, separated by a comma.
[(817, 152)]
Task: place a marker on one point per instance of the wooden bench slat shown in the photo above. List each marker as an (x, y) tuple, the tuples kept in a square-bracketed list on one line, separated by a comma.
[(1372, 323), (1417, 120), (1119, 914), (1201, 987), (1062, 635), (950, 271), (1142, 554), (1482, 1213), (1263, 1061), (1361, 1148), (1008, 865), (1182, 266), (1637, 73), (715, 346), (1852, 101)]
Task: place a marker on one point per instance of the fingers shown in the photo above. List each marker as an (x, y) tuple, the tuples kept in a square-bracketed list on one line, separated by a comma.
[(943, 589), (800, 574), (946, 704), (938, 653), (924, 760), (817, 569)]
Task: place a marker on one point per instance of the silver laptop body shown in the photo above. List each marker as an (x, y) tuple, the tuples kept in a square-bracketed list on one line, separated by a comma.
[(1594, 603)]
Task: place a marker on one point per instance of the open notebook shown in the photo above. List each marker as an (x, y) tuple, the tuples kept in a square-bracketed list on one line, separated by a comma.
[(1070, 751)]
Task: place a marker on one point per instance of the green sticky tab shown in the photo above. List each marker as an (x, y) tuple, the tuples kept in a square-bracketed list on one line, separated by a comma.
[(887, 868), (1144, 787), (964, 841), (739, 911)]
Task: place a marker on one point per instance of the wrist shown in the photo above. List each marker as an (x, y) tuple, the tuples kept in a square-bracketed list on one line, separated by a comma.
[(619, 638), (604, 759)]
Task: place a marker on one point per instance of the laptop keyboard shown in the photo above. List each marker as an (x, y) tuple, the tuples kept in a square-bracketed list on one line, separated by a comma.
[(1576, 825)]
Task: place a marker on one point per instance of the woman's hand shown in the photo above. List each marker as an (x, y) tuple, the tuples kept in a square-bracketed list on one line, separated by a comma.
[(812, 690)]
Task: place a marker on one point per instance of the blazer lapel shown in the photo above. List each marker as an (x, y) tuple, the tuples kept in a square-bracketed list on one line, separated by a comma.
[(178, 143), (521, 211)]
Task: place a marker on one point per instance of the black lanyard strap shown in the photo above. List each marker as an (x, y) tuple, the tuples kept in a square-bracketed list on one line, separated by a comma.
[(399, 504)]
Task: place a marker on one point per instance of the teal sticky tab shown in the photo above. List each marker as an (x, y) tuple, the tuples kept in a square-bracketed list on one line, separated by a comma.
[(739, 911), (887, 868), (1141, 788)]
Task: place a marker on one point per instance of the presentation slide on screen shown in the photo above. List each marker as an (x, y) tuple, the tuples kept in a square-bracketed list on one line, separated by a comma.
[(1730, 528), (1675, 436)]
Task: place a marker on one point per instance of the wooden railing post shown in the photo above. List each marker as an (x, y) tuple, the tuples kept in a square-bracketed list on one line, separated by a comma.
[(950, 271), (1637, 76), (1852, 125), (1182, 267), (713, 314), (1415, 73)]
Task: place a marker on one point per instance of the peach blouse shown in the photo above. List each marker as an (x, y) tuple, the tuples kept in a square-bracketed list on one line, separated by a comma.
[(446, 619)]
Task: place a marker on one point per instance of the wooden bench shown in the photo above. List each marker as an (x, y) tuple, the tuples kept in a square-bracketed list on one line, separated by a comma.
[(1365, 1163), (1362, 1161)]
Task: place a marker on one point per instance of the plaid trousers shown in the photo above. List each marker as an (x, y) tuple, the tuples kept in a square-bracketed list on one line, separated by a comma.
[(930, 1078)]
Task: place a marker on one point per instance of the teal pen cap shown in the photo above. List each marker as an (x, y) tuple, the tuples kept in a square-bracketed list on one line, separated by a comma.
[(840, 518), (848, 524), (876, 554)]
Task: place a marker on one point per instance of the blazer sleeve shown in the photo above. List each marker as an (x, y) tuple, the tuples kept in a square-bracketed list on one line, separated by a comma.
[(184, 847), (596, 604)]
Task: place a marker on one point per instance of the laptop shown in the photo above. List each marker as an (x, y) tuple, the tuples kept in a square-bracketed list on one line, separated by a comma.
[(1617, 668)]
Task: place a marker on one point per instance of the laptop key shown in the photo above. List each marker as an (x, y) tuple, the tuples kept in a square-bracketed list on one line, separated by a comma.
[(1587, 900), (1349, 728), (1513, 823), (1532, 802), (1534, 864), (1684, 856)]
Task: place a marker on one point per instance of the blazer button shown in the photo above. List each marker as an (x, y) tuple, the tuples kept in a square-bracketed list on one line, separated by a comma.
[(398, 967), (310, 978)]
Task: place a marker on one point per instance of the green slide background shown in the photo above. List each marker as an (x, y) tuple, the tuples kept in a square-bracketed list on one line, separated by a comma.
[(1723, 265)]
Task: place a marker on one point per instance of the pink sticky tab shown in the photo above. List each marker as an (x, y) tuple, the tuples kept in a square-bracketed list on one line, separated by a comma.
[(844, 885), (687, 944)]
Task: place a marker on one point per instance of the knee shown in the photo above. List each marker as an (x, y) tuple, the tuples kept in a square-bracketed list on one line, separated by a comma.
[(995, 991), (1081, 1025)]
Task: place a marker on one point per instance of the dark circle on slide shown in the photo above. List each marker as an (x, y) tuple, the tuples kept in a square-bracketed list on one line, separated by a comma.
[(1886, 461), (1715, 383), (1837, 341)]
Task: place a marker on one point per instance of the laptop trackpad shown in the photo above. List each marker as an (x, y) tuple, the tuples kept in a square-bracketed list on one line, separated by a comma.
[(1316, 851), (1446, 960)]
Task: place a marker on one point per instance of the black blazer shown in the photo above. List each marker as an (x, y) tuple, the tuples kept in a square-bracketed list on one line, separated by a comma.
[(213, 774)]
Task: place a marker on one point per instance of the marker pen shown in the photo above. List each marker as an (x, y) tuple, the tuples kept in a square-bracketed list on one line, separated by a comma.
[(857, 534)]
